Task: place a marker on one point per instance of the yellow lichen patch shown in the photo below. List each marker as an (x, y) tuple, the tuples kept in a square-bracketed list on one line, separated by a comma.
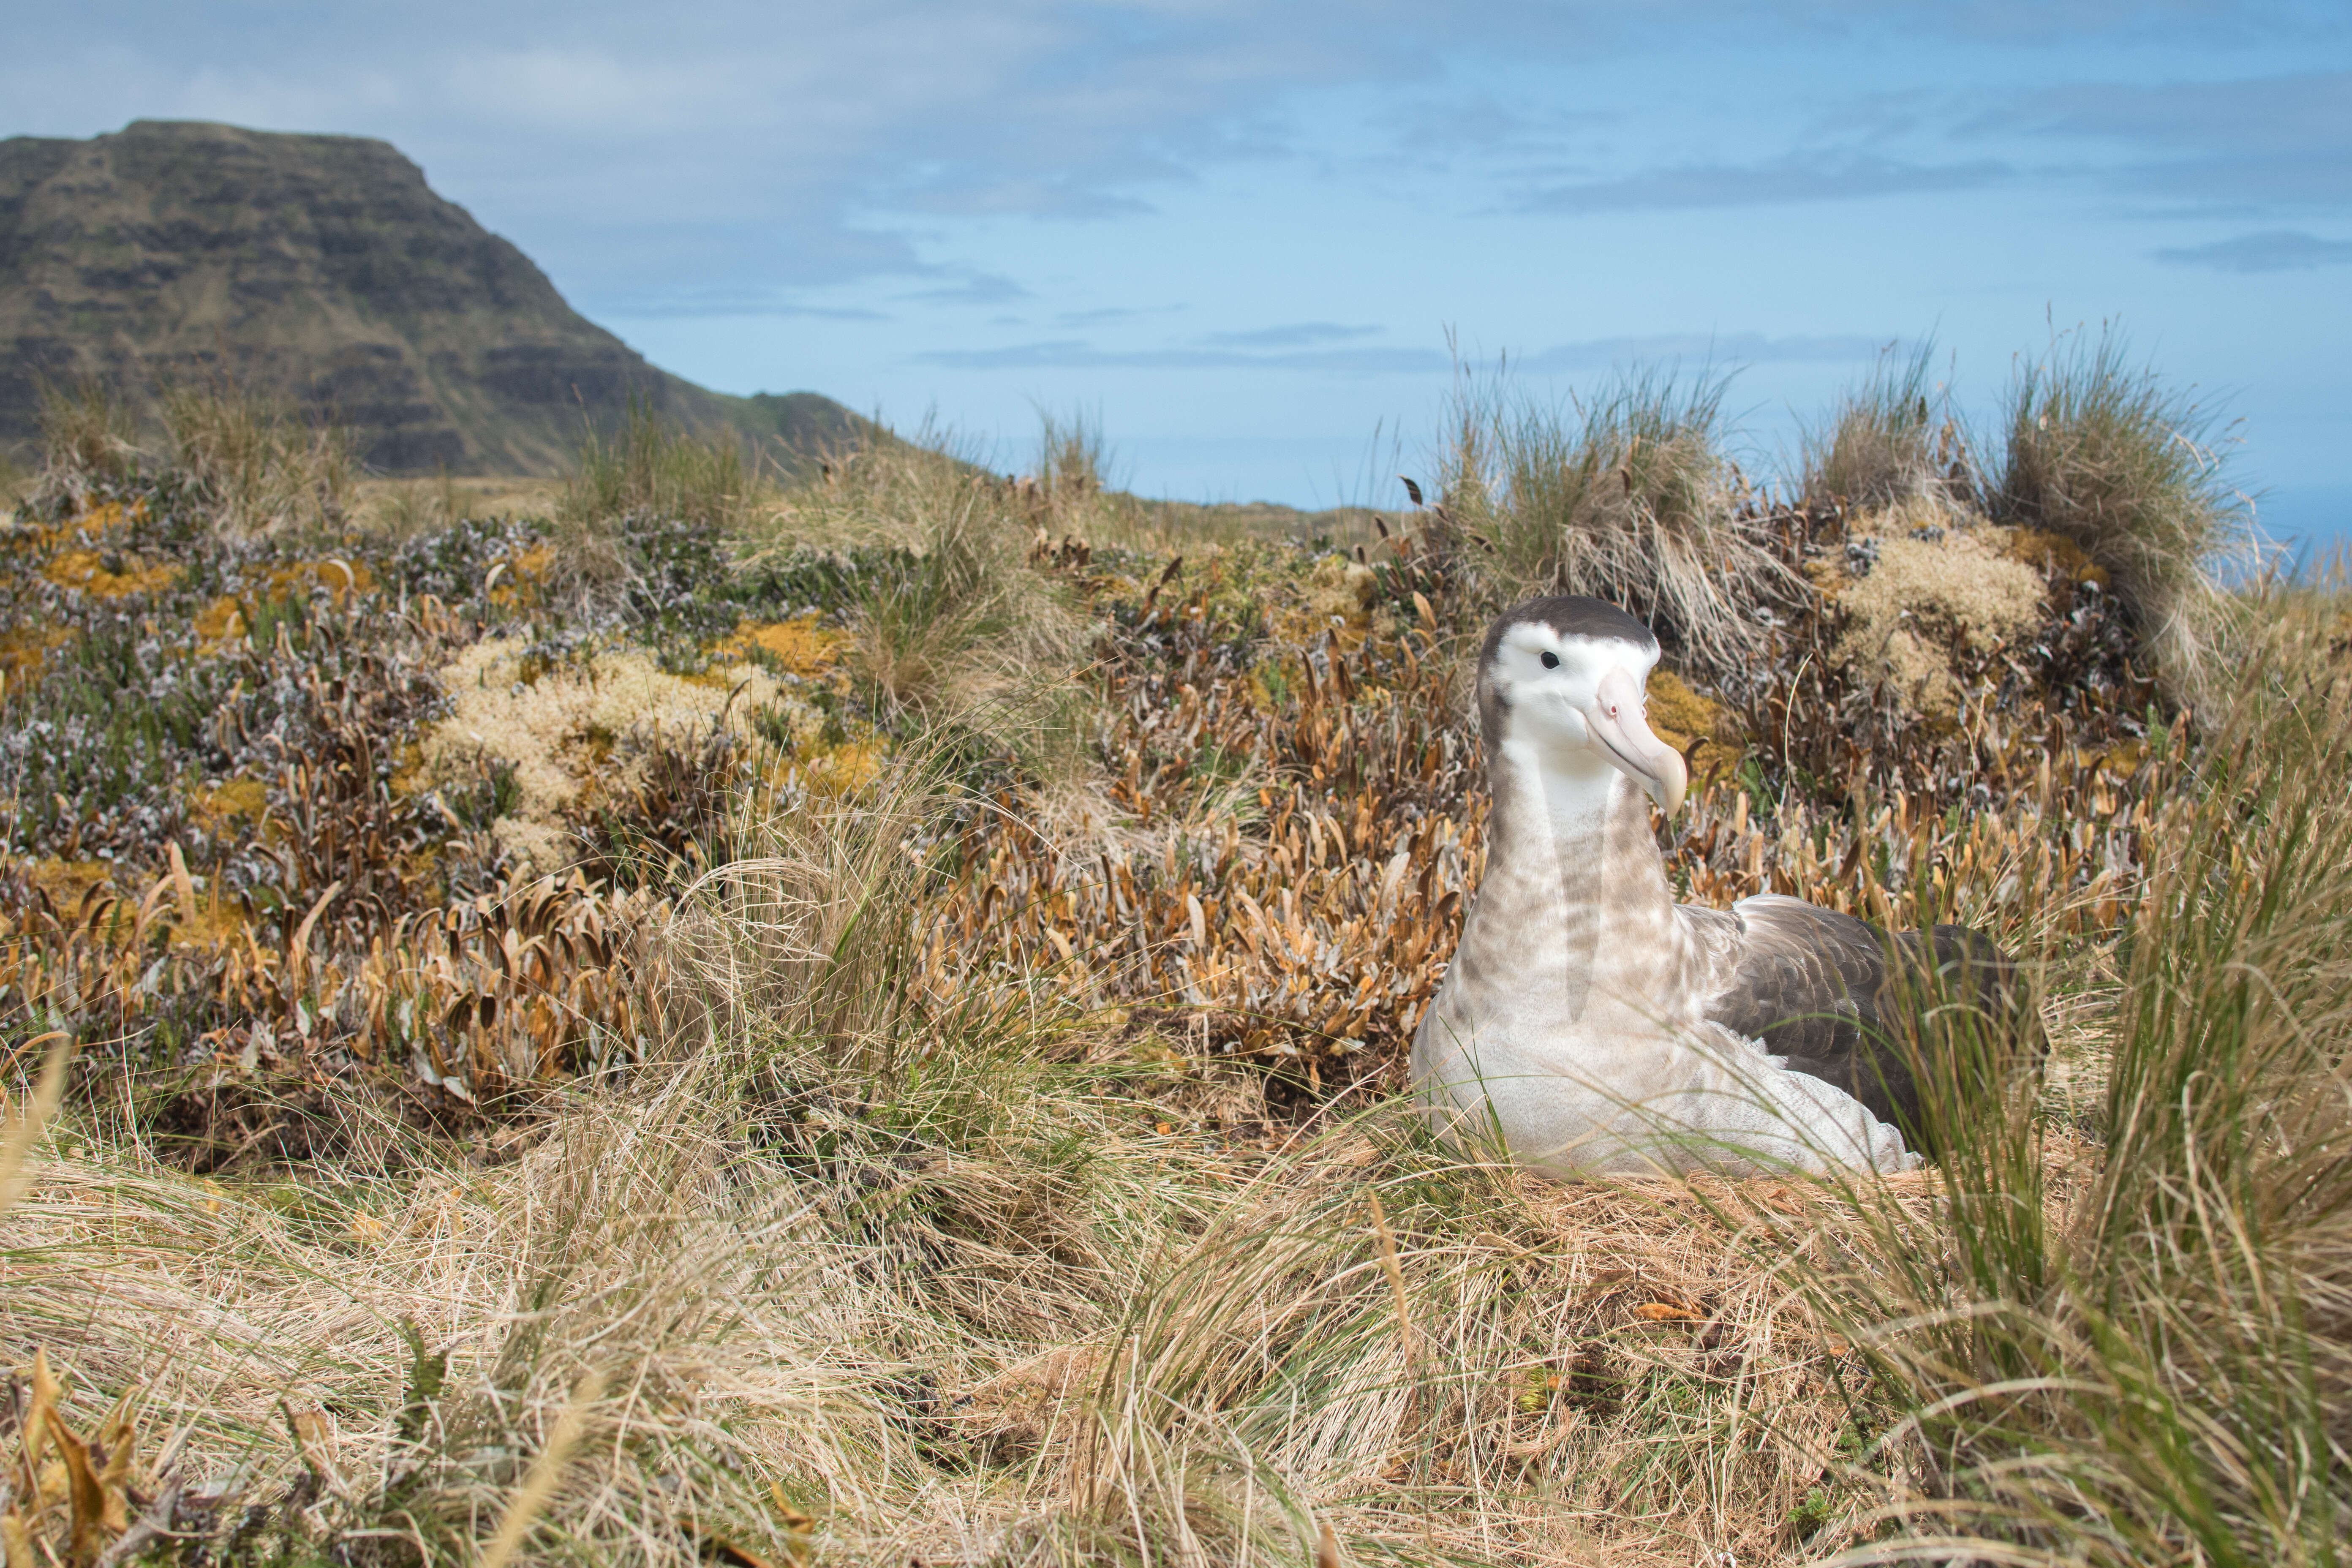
[(2052, 554), (23, 649), (1337, 597), (219, 623), (100, 521), (2120, 760), (210, 924), (231, 800), (1680, 716), (109, 577), (64, 881), (516, 581), (409, 771), (841, 770), (804, 646), (302, 578)]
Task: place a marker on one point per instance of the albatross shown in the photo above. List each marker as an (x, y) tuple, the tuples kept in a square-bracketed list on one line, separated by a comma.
[(1597, 1027)]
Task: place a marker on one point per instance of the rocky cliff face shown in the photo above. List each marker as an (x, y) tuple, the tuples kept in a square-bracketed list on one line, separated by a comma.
[(323, 269)]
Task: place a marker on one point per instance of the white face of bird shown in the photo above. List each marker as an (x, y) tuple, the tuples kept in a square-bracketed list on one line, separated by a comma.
[(1575, 701)]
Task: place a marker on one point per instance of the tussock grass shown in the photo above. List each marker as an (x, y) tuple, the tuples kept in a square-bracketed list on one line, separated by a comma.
[(410, 508), (952, 618), (1884, 443), (650, 466), (647, 470), (1073, 457), (2142, 1352), (89, 441), (2103, 453), (1627, 497), (260, 465)]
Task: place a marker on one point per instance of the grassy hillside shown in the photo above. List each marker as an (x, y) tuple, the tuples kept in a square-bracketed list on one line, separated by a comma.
[(863, 1021), (320, 269)]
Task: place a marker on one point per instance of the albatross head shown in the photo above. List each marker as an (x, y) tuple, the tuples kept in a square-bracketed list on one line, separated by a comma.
[(1563, 678)]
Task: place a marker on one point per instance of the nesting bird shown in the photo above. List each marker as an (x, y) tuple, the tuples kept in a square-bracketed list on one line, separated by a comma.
[(1596, 1027)]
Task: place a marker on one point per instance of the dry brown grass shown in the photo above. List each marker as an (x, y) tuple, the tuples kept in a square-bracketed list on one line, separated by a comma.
[(403, 509), (1016, 1318), (89, 440), (263, 467)]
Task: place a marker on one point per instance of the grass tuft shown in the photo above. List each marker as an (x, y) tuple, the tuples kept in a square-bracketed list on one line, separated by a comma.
[(1884, 443), (953, 621), (647, 470), (2141, 1350), (1627, 497), (260, 466), (651, 466), (2105, 454), (88, 440)]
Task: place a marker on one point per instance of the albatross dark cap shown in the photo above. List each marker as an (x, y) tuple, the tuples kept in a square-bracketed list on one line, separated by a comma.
[(1572, 616)]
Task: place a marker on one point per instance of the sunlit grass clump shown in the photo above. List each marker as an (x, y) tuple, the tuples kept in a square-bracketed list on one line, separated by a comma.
[(1626, 495), (2105, 454), (2140, 1348)]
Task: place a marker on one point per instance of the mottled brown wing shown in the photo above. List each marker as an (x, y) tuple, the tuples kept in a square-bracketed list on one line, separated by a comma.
[(1814, 985)]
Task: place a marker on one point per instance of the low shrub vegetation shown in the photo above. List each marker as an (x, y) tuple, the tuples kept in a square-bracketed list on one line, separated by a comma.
[(863, 1023)]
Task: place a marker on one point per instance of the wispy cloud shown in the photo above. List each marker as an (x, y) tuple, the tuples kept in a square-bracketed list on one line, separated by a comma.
[(1109, 313), (1297, 334), (2273, 250), (735, 304), (1071, 353), (723, 300), (967, 192), (1706, 348), (2260, 143), (1831, 178), (1268, 350), (978, 288)]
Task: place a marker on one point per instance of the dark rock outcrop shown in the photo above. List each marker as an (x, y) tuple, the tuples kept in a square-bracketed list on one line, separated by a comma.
[(321, 269)]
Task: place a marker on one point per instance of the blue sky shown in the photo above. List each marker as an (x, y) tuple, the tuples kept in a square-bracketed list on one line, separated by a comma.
[(1248, 238)]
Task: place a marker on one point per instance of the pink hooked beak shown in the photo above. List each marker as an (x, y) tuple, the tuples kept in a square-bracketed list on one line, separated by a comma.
[(1616, 721)]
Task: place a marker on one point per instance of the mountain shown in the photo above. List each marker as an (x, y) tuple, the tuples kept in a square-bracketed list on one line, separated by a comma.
[(325, 269)]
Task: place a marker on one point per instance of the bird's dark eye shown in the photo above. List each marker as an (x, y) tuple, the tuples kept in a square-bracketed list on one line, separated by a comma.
[(1551, 662)]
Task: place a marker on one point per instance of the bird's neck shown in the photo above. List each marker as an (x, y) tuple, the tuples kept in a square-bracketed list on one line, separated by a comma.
[(1575, 897)]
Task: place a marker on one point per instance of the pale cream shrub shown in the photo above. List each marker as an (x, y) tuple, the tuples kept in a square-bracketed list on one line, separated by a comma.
[(1923, 589), (588, 725)]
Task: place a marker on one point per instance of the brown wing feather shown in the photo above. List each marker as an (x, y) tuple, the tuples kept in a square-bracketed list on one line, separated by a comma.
[(1815, 986)]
